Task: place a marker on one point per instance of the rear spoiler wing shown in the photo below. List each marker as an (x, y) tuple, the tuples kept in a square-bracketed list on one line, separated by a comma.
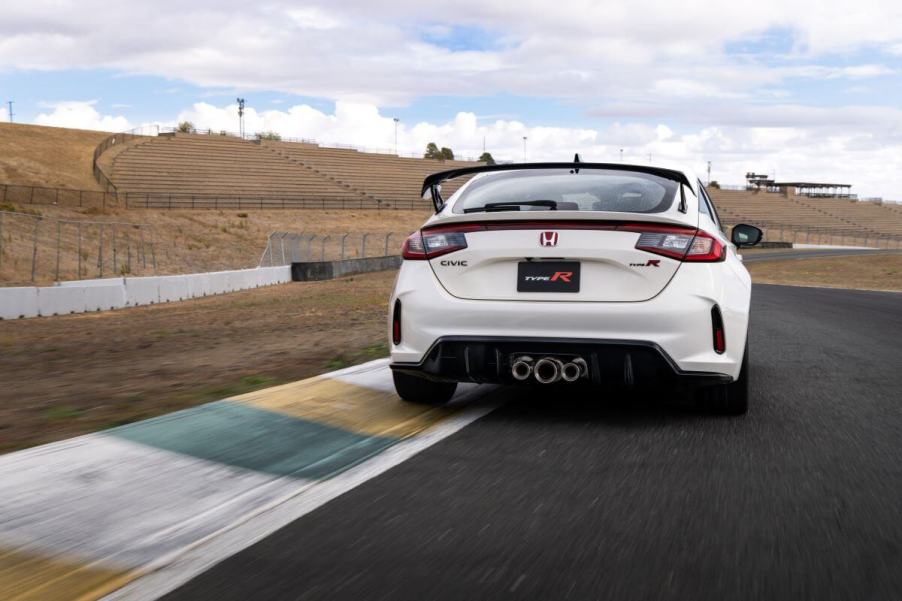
[(432, 182)]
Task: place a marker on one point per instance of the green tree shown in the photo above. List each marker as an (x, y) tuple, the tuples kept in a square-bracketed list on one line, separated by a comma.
[(487, 158), (269, 135), (447, 154), (432, 152), (186, 127)]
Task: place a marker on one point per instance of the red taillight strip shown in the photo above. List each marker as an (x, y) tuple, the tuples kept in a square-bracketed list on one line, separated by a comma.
[(396, 323), (720, 340)]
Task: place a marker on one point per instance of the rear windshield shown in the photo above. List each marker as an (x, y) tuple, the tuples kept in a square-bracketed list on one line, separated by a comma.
[(563, 190)]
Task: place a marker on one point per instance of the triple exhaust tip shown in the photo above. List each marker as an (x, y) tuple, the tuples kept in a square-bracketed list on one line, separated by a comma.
[(548, 370)]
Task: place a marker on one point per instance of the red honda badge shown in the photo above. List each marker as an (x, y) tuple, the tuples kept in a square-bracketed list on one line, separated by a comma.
[(548, 239)]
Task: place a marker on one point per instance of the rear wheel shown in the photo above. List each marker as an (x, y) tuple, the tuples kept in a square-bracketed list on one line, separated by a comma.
[(422, 391), (732, 398)]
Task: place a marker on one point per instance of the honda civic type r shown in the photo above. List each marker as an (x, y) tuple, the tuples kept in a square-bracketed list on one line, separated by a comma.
[(610, 275)]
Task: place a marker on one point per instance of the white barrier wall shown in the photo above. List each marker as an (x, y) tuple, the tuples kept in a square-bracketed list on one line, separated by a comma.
[(18, 302), (102, 295)]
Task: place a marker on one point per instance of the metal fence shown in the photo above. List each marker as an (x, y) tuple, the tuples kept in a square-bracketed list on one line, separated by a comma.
[(36, 249), (138, 200), (15, 194), (65, 197), (803, 234), (104, 145), (267, 135), (284, 248)]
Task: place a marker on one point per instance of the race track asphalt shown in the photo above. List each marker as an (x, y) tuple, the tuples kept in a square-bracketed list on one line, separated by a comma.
[(582, 498)]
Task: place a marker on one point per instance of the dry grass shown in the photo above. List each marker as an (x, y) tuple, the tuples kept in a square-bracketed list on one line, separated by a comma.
[(876, 272), (64, 376), (54, 157), (189, 241)]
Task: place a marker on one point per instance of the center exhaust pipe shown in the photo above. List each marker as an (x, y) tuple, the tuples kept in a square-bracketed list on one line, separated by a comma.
[(548, 370)]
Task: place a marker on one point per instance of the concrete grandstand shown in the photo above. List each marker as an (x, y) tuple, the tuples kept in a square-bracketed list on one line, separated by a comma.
[(186, 168), (190, 170)]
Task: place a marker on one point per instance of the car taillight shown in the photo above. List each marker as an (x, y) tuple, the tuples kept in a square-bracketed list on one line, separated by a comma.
[(684, 245), (396, 323), (720, 338), (431, 243)]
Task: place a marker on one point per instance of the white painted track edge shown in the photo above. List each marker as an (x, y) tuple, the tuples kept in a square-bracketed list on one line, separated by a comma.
[(170, 572)]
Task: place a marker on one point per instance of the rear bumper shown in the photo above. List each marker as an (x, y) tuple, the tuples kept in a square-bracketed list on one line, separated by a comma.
[(625, 364), (677, 321)]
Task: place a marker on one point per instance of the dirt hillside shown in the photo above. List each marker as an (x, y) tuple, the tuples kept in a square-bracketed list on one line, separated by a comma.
[(54, 157)]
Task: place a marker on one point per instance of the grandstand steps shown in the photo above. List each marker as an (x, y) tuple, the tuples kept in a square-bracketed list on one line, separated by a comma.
[(801, 212), (287, 157), (191, 164)]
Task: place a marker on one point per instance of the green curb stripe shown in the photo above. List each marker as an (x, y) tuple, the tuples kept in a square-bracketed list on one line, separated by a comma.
[(242, 436)]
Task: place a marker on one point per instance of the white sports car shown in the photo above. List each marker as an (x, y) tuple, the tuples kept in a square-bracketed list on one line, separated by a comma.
[(558, 274)]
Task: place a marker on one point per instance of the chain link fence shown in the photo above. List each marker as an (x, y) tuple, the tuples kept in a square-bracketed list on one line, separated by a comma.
[(284, 248), (38, 250)]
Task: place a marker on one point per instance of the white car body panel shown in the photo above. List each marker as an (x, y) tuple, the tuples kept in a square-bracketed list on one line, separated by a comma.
[(669, 305)]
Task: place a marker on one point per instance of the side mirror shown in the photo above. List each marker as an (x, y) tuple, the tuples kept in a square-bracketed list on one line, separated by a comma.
[(745, 235)]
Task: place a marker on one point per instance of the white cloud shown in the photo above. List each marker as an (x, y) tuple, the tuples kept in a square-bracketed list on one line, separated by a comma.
[(80, 115), (872, 164), (389, 52), (658, 70)]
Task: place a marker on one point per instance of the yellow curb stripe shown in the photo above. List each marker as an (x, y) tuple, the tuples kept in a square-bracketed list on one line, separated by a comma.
[(346, 406), (26, 576)]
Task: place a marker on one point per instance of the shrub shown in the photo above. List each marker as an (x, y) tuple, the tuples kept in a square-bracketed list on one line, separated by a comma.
[(432, 152), (268, 135), (487, 158)]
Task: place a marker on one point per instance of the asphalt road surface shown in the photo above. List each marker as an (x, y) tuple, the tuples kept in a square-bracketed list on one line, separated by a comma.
[(579, 498)]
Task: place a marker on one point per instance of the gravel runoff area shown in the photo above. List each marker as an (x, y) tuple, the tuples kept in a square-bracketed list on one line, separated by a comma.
[(68, 375)]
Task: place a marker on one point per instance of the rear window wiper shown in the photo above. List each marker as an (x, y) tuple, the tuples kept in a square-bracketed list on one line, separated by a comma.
[(513, 205)]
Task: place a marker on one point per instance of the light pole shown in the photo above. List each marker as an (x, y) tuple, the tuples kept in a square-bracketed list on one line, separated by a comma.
[(709, 173), (524, 148), (395, 119), (241, 117), (10, 103)]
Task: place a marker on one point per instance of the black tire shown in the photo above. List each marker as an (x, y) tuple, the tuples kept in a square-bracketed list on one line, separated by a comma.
[(422, 391), (732, 398)]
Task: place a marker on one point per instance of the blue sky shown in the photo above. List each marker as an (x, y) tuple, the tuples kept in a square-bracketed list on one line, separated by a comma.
[(811, 87)]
